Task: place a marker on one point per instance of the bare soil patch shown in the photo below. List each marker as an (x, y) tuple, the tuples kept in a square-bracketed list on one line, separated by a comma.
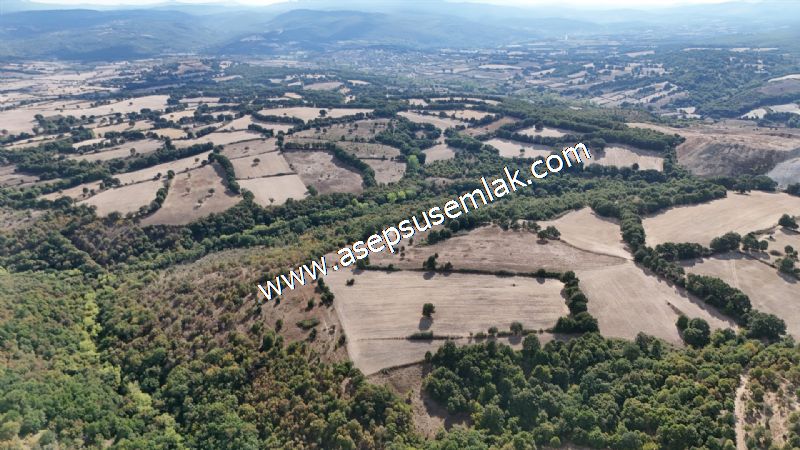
[(308, 113), (701, 223), (250, 148), (494, 126), (125, 199), (9, 177), (360, 129), (440, 152), (275, 190), (370, 151), (544, 132), (511, 149), (121, 151), (219, 138), (323, 86), (172, 133), (625, 300), (321, 170), (439, 122), (626, 156), (153, 172), (491, 248), (382, 308), (263, 165), (769, 290), (192, 195), (386, 170)]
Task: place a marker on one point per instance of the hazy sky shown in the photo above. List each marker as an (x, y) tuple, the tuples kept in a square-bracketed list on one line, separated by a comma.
[(581, 3)]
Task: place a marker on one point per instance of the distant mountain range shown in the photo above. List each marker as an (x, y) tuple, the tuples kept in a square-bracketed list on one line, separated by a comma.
[(31, 30)]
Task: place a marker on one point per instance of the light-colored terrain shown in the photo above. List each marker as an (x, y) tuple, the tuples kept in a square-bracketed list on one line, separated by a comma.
[(441, 123), (439, 152), (625, 300), (466, 114), (769, 290), (275, 190), (491, 248), (190, 197), (360, 129), (626, 156), (387, 171), (172, 133), (587, 231), (320, 169), (544, 132), (250, 148), (121, 151), (219, 138), (494, 126), (511, 149), (125, 199), (9, 177), (381, 309), (308, 113), (701, 223), (323, 86), (786, 172), (268, 164), (371, 151)]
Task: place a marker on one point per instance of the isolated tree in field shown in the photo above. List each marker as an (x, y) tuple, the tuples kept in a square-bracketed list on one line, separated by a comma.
[(430, 263), (539, 126), (550, 232), (428, 309), (323, 113), (516, 328), (788, 222)]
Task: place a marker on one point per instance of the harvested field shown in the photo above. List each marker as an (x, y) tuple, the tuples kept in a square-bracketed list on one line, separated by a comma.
[(321, 170), (275, 190), (267, 164), (75, 192), (387, 171), (625, 300), (360, 129), (511, 149), (585, 230), (125, 199), (141, 125), (219, 138), (9, 177), (544, 132), (439, 122), (172, 133), (190, 197), (154, 102), (625, 156), (308, 113), (701, 223), (494, 126), (491, 248), (250, 148), (150, 173), (371, 151), (324, 86), (464, 304), (88, 142), (121, 151), (466, 114), (176, 116), (769, 290), (440, 152)]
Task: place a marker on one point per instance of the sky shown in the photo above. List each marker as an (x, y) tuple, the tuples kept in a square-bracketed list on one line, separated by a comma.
[(577, 3)]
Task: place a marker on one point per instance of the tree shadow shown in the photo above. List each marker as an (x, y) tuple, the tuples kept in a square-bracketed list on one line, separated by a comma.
[(428, 275), (425, 323)]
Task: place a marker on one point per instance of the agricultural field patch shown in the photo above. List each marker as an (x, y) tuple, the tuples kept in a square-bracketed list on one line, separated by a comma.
[(489, 128), (157, 171), (626, 300), (358, 130), (219, 138), (626, 156), (769, 290), (442, 123), (125, 199), (308, 113), (369, 151), (321, 170), (172, 133), (514, 149), (125, 150), (250, 148), (267, 164), (544, 132), (491, 248), (381, 309), (387, 170), (587, 231), (10, 177), (192, 195), (439, 152), (736, 212), (323, 86), (276, 190)]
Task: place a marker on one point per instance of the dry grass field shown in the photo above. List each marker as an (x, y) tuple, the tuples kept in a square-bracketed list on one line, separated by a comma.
[(625, 300), (125, 199), (360, 129), (769, 290), (387, 171), (192, 195), (494, 126), (587, 231), (9, 177), (172, 133), (321, 170), (140, 125), (178, 115), (371, 151), (275, 190), (511, 149), (439, 152), (267, 164), (121, 151), (219, 138), (441, 123), (150, 173), (625, 156), (382, 308), (76, 192), (308, 113), (250, 148), (323, 86), (466, 114), (491, 248), (701, 223), (778, 239), (545, 132)]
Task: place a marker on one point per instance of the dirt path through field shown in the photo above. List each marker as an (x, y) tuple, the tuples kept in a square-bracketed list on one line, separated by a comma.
[(738, 412)]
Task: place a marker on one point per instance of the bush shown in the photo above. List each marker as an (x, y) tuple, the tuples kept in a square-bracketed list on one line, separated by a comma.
[(428, 309)]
